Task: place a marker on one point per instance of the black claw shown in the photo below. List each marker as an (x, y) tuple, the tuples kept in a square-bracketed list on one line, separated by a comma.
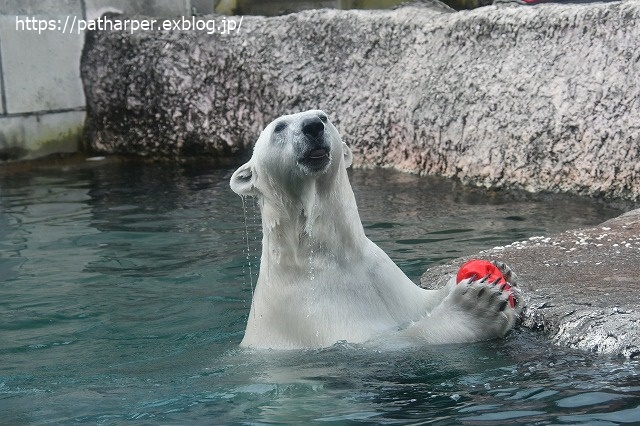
[(485, 278), (503, 286), (503, 305), (496, 281)]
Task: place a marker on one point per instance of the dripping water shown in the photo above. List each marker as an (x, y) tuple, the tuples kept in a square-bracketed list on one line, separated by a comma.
[(250, 268), (257, 224)]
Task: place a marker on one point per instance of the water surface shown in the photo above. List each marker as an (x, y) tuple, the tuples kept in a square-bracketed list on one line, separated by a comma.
[(124, 291)]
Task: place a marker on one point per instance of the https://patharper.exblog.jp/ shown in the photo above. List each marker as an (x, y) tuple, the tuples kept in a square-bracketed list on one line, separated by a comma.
[(75, 25)]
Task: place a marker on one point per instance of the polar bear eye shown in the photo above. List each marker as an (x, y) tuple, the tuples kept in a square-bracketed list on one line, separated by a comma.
[(323, 118), (280, 127)]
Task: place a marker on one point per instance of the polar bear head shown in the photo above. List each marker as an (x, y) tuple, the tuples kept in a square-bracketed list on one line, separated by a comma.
[(291, 152)]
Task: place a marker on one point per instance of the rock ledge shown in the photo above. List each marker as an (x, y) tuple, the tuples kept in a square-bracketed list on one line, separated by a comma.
[(581, 287)]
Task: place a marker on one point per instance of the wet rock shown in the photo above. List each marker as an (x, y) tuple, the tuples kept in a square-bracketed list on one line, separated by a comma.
[(540, 98), (581, 287)]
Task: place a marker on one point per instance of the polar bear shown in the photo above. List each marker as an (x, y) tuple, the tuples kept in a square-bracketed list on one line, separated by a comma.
[(321, 279)]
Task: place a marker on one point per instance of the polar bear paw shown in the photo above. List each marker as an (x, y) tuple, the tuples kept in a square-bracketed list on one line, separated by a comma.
[(474, 309), (507, 273), (488, 309), (480, 295)]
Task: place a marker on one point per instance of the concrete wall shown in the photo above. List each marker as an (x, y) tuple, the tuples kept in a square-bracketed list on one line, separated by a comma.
[(42, 104)]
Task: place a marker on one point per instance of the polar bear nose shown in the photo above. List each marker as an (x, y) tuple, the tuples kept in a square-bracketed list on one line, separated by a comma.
[(312, 127)]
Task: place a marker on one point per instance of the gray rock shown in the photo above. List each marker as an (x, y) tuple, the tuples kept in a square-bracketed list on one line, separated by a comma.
[(581, 287), (540, 98)]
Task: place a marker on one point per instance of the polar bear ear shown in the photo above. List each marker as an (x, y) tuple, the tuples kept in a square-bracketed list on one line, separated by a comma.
[(243, 181), (348, 156)]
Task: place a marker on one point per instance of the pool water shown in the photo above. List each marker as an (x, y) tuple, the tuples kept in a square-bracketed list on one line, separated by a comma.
[(125, 288)]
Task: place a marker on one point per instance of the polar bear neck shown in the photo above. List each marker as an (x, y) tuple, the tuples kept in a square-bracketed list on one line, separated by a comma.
[(318, 221)]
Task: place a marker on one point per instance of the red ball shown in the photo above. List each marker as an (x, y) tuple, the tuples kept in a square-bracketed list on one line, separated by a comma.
[(478, 269)]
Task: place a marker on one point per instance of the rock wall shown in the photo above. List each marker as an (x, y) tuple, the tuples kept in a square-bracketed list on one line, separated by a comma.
[(544, 98)]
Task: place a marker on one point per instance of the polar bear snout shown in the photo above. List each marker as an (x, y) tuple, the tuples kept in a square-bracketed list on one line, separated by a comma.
[(313, 127), (316, 149), (316, 158)]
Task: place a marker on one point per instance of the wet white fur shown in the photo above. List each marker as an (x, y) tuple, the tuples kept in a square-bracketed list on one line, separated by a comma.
[(321, 279)]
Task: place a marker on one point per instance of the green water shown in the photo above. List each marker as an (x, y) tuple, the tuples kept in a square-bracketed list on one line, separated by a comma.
[(124, 290)]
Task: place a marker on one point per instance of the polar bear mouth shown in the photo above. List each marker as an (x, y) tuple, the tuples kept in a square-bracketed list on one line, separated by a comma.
[(316, 159)]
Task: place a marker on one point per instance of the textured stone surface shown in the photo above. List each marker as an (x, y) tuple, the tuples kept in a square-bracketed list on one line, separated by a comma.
[(541, 98), (581, 287)]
